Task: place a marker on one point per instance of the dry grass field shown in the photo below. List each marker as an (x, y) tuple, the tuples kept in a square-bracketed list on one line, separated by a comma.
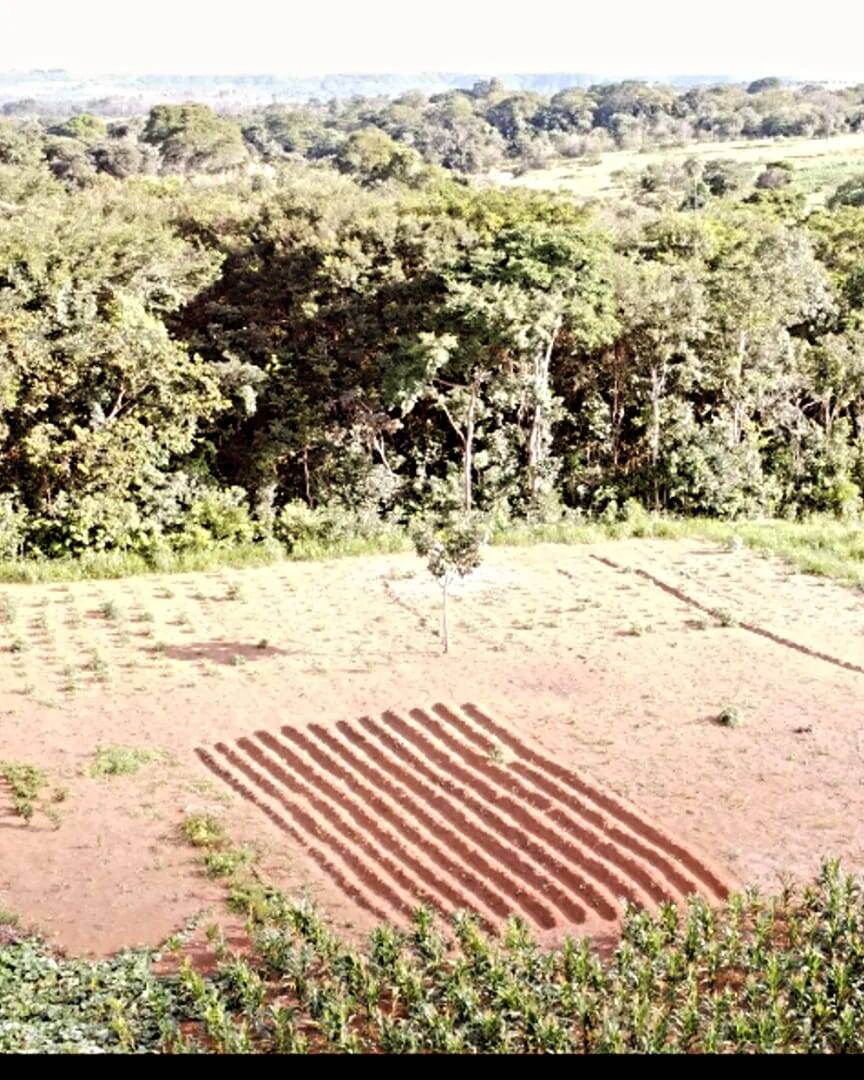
[(820, 164)]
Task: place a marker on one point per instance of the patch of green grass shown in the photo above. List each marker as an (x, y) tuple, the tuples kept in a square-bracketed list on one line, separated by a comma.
[(120, 760), (390, 542), (27, 785), (8, 917), (204, 831), (114, 564), (820, 545)]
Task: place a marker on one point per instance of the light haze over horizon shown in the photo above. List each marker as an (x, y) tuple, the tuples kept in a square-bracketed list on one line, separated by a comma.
[(652, 38)]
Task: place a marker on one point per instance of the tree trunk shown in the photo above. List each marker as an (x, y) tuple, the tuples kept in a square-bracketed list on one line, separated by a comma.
[(617, 405), (306, 478), (539, 435), (467, 465), (737, 422), (466, 437), (468, 452), (444, 634), (656, 396)]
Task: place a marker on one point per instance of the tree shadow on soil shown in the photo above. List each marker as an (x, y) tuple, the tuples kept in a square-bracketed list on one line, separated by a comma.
[(221, 652), (224, 652)]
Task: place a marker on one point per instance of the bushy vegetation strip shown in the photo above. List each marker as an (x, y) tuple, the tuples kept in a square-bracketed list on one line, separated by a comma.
[(762, 975), (821, 545)]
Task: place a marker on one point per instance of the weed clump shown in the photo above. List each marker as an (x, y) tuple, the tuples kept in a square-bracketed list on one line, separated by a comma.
[(27, 785), (729, 716), (204, 831), (109, 610), (119, 761), (226, 863)]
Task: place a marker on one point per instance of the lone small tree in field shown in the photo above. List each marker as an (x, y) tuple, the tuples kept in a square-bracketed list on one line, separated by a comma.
[(452, 550)]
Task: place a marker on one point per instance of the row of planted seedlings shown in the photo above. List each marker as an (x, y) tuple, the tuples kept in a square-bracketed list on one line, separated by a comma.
[(762, 974)]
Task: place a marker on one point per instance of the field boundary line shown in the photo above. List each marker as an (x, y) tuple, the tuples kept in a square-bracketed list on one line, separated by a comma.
[(752, 628)]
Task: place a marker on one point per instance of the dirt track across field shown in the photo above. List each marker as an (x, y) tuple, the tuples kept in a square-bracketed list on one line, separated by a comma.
[(298, 703)]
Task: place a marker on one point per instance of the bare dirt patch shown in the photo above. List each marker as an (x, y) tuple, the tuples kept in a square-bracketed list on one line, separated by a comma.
[(594, 668)]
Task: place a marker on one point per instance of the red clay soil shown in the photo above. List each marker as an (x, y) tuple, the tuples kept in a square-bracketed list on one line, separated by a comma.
[(425, 810), (590, 772)]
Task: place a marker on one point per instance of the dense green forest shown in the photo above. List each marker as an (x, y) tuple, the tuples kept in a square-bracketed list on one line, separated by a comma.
[(359, 333)]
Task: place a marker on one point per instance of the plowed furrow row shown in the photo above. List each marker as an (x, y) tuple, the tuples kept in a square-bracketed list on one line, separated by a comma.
[(436, 885), (461, 827), (611, 806), (346, 886), (642, 890), (313, 795), (453, 776), (313, 829), (459, 871), (604, 839)]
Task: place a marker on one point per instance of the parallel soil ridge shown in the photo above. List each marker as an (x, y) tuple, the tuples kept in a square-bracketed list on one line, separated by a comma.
[(444, 807)]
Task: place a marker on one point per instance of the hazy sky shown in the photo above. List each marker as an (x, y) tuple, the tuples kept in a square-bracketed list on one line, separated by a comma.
[(742, 37)]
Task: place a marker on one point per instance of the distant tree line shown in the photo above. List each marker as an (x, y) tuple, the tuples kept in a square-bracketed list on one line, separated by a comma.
[(474, 130), (316, 349)]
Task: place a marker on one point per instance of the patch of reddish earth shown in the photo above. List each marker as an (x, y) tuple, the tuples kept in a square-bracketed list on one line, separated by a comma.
[(447, 808), (614, 676)]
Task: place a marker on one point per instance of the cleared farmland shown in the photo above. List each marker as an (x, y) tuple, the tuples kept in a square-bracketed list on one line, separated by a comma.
[(608, 662)]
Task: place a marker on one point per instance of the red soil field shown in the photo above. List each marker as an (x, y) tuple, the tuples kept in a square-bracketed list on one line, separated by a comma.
[(423, 810), (296, 703)]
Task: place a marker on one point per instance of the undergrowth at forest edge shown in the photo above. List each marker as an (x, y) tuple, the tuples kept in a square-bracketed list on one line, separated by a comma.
[(764, 974), (819, 545)]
